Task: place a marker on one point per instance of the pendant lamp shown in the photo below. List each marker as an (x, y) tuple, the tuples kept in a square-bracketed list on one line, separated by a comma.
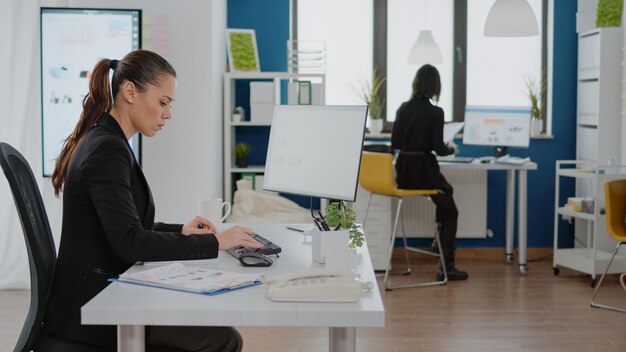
[(425, 50), (511, 18)]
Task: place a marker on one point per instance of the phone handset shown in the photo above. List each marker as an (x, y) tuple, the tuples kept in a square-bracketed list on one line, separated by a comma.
[(317, 285)]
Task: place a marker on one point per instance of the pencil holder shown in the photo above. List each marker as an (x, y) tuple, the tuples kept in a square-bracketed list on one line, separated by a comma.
[(325, 241)]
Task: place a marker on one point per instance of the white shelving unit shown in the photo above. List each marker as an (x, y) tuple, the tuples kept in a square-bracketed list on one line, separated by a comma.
[(592, 255), (230, 170), (598, 119)]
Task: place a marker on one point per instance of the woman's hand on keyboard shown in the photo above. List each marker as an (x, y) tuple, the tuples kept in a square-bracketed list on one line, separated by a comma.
[(237, 236)]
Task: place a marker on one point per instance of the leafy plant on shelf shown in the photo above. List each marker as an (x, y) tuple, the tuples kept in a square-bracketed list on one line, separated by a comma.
[(242, 150), (342, 215), (369, 92), (535, 91)]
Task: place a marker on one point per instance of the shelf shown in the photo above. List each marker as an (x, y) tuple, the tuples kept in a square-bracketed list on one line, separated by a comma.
[(251, 168), (576, 214), (270, 75), (249, 123), (581, 259), (578, 173)]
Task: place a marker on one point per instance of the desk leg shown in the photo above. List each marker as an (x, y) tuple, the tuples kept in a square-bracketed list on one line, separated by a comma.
[(131, 338), (522, 222), (342, 339), (510, 211)]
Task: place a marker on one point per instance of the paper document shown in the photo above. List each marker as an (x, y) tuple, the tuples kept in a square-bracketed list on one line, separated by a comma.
[(190, 279), (450, 130), (506, 159)]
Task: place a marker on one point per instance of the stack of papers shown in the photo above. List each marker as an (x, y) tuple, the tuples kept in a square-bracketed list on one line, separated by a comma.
[(179, 277)]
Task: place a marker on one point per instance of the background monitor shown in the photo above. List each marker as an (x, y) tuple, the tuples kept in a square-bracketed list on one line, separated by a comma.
[(497, 126), (315, 150), (72, 42)]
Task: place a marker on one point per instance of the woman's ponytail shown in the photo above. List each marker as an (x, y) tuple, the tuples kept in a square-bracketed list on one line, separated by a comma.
[(97, 101)]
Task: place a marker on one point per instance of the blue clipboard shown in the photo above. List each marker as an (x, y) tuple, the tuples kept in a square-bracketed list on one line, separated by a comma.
[(211, 293)]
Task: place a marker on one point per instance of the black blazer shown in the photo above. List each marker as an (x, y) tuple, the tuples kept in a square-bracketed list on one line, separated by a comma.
[(417, 133), (108, 225)]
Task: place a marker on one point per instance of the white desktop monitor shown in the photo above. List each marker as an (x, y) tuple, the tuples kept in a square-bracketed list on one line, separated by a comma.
[(497, 126), (315, 150)]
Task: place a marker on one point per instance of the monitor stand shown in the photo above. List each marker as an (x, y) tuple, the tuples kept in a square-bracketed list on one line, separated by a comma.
[(500, 151)]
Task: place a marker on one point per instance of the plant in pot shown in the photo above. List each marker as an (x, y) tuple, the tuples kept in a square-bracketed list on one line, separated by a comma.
[(535, 90), (370, 93), (340, 215), (242, 151)]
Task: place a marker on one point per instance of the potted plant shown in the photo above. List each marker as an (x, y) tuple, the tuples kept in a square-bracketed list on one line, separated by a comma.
[(341, 215), (535, 91), (369, 92), (242, 150)]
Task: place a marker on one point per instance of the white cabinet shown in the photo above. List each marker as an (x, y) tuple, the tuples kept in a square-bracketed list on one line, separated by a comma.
[(590, 254), (598, 120), (378, 226), (231, 172), (598, 113)]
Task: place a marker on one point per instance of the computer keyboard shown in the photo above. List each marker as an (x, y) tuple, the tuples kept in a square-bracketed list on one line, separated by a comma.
[(455, 159), (268, 247)]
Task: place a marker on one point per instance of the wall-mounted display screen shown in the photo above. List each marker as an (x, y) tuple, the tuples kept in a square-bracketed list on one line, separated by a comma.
[(72, 42)]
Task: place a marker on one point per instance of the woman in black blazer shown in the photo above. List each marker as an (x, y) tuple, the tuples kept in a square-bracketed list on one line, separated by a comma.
[(108, 210), (417, 133)]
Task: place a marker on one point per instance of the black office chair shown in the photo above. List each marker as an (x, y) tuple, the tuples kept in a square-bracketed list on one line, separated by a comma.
[(41, 254)]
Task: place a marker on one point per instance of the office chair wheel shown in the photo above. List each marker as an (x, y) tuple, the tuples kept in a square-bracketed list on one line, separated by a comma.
[(556, 271)]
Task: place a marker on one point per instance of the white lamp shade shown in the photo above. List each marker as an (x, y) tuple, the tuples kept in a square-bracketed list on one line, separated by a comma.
[(425, 50), (511, 18)]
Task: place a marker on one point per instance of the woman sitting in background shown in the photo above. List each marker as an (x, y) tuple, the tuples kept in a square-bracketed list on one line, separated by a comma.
[(417, 133)]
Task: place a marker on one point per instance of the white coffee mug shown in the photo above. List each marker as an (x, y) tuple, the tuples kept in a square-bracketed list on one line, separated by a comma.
[(212, 209)]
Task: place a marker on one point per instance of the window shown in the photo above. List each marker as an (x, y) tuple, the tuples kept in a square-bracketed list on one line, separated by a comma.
[(347, 28), (476, 70), (497, 67), (404, 21)]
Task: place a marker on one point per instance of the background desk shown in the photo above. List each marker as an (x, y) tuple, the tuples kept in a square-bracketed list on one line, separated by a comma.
[(471, 198), (131, 307)]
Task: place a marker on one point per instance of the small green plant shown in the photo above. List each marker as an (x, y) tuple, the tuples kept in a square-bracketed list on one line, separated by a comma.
[(369, 92), (535, 91), (342, 215), (242, 150)]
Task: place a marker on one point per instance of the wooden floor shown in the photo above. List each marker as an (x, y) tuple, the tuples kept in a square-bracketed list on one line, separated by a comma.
[(497, 309)]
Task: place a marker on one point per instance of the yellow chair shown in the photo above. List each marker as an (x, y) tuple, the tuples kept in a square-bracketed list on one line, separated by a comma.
[(615, 198), (377, 177)]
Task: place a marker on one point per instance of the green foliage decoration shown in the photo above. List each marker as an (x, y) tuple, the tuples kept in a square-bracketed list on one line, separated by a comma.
[(339, 213), (609, 13), (243, 53)]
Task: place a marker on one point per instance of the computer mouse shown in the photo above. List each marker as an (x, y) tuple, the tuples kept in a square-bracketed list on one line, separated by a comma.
[(255, 259)]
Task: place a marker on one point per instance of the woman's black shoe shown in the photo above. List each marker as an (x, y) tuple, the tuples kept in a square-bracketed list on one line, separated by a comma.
[(454, 274)]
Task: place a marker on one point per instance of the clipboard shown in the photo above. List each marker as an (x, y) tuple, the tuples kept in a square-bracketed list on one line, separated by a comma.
[(200, 280)]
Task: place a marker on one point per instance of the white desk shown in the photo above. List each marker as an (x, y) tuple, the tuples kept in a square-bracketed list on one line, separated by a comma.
[(510, 202), (132, 307)]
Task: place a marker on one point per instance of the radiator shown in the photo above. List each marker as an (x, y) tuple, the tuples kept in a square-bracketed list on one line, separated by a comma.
[(470, 195)]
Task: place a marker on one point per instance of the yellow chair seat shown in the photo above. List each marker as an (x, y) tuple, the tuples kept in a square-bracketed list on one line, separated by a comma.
[(377, 177)]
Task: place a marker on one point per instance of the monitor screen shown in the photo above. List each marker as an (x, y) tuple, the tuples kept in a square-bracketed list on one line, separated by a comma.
[(72, 42), (315, 150), (497, 126)]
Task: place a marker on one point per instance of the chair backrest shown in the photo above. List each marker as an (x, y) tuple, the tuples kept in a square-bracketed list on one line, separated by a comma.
[(39, 241), (376, 174), (615, 197)]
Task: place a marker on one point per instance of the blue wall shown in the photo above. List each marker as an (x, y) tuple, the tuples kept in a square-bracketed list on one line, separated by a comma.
[(270, 19)]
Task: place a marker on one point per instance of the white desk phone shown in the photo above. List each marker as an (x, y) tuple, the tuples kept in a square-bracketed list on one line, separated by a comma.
[(317, 285)]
